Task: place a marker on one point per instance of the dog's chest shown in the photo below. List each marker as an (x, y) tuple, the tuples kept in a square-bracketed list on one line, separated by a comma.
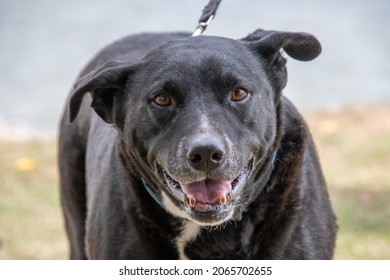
[(195, 242), (188, 233)]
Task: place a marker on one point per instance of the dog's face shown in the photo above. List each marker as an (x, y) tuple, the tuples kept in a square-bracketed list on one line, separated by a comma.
[(198, 115), (203, 115)]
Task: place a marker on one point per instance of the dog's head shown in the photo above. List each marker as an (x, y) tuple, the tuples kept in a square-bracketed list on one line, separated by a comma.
[(198, 115)]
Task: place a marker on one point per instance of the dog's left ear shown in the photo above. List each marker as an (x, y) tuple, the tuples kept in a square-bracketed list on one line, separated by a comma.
[(299, 45), (268, 44)]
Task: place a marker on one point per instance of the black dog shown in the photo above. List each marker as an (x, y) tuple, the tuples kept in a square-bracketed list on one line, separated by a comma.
[(191, 151)]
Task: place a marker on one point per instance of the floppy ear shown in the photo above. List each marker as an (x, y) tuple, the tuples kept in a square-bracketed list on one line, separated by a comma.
[(104, 84), (268, 44), (299, 45)]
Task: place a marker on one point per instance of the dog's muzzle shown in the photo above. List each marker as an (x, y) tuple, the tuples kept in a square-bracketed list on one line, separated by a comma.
[(207, 202)]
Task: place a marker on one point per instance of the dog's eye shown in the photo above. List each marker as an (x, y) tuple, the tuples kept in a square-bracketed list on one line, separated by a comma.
[(162, 99), (238, 94)]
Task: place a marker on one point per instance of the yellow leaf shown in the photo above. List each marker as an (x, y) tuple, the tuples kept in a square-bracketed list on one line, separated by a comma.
[(25, 164)]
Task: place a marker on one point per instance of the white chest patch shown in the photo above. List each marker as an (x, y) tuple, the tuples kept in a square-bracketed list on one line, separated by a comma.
[(171, 207), (189, 232)]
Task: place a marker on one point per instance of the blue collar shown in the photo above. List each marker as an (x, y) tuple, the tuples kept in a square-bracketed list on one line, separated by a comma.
[(274, 157), (151, 193)]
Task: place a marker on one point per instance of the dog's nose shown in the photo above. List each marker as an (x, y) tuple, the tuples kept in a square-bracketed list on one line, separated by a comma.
[(206, 154)]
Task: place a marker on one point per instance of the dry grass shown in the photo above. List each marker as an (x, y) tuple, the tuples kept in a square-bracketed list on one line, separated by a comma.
[(354, 147), (31, 225)]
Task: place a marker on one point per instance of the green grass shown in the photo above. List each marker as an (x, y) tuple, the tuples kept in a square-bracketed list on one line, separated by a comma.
[(354, 148)]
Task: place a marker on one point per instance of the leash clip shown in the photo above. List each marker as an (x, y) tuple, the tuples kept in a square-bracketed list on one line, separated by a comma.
[(202, 27), (207, 16)]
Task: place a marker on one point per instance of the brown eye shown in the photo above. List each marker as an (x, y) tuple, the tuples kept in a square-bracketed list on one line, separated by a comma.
[(238, 94), (162, 99)]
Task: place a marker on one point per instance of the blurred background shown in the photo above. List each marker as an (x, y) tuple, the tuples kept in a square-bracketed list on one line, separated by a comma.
[(344, 94)]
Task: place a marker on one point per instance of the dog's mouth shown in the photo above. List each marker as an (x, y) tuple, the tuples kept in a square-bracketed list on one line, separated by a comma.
[(207, 201), (206, 195)]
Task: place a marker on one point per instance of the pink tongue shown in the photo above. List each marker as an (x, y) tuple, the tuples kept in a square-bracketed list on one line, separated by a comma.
[(208, 191)]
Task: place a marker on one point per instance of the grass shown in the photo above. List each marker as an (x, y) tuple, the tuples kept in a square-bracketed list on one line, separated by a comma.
[(31, 224), (354, 148)]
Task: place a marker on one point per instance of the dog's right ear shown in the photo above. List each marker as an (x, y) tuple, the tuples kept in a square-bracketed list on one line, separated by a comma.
[(104, 84)]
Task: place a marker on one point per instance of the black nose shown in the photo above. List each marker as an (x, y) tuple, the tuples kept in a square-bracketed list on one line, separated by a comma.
[(206, 154)]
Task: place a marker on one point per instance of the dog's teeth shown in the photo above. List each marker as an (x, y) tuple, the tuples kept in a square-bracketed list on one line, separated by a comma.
[(222, 200), (192, 201), (228, 199)]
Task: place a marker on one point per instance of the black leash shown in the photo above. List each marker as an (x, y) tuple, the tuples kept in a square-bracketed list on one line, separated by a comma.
[(207, 16)]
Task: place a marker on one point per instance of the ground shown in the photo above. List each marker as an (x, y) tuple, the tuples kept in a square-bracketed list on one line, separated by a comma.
[(354, 148)]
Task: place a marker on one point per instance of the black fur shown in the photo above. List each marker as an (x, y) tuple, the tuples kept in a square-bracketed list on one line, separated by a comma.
[(110, 156)]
